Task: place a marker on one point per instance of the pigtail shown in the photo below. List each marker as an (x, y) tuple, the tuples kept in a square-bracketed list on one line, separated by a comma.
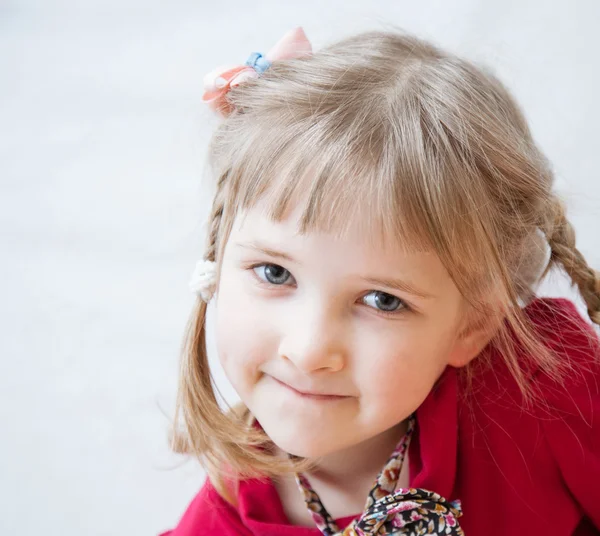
[(226, 442), (561, 239)]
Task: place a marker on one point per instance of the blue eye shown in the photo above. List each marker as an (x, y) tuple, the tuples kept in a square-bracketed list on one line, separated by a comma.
[(383, 301), (272, 273)]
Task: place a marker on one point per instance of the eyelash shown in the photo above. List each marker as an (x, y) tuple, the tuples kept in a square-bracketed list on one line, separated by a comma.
[(404, 309)]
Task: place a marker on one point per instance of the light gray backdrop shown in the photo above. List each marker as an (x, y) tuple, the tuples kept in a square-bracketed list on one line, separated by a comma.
[(102, 149)]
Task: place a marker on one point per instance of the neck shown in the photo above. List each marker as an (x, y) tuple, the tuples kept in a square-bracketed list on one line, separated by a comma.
[(343, 479), (362, 461)]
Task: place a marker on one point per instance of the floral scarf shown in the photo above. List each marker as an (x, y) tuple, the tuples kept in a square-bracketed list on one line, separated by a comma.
[(390, 510)]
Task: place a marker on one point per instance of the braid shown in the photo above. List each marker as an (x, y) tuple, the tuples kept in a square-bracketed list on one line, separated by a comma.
[(564, 252), (225, 442), (216, 216)]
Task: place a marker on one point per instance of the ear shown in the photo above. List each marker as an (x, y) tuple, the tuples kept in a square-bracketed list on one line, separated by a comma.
[(473, 337)]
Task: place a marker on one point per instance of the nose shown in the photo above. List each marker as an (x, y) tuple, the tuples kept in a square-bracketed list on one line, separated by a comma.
[(314, 340)]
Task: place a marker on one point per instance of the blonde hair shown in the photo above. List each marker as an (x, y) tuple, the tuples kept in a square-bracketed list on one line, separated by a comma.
[(420, 145)]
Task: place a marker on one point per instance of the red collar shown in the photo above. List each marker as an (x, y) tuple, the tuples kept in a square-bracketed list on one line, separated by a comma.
[(432, 454)]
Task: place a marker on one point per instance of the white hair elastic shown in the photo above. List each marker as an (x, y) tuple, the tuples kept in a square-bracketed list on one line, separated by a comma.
[(204, 280)]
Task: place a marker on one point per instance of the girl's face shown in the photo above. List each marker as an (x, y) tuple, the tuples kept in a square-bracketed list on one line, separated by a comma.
[(315, 314)]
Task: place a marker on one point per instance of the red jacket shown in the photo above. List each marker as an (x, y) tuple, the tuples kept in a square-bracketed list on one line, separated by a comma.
[(516, 472)]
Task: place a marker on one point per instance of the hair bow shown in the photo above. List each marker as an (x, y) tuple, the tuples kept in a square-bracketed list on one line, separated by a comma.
[(408, 511), (217, 83)]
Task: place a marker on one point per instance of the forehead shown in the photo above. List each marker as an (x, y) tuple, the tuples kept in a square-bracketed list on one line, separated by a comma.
[(334, 188), (258, 222), (353, 205)]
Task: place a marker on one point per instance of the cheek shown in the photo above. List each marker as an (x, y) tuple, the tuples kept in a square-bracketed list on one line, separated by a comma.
[(403, 368), (244, 337)]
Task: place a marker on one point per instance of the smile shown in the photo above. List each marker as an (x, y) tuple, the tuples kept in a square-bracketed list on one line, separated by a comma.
[(312, 396)]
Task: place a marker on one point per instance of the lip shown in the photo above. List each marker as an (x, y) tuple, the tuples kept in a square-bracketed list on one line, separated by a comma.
[(311, 396)]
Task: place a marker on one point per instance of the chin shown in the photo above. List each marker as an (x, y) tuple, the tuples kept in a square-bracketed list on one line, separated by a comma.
[(304, 450), (302, 445)]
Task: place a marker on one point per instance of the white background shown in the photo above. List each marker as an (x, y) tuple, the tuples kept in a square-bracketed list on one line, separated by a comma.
[(102, 151)]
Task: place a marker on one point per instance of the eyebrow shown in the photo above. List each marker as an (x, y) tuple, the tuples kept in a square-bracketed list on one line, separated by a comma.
[(401, 286), (397, 284), (267, 251)]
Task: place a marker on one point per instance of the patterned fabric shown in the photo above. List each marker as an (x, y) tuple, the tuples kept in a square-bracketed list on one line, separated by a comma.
[(390, 510)]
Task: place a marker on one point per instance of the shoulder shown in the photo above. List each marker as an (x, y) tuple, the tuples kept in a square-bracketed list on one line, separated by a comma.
[(571, 406), (258, 511), (494, 411), (563, 328), (575, 342), (208, 513), (545, 455), (568, 404)]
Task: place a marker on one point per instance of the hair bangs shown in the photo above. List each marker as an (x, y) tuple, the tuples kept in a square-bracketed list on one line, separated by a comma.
[(308, 166)]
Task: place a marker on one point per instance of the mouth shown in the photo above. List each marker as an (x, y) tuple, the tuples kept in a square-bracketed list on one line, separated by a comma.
[(312, 396)]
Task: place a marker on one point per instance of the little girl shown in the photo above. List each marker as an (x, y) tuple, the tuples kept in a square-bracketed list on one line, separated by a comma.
[(381, 220)]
